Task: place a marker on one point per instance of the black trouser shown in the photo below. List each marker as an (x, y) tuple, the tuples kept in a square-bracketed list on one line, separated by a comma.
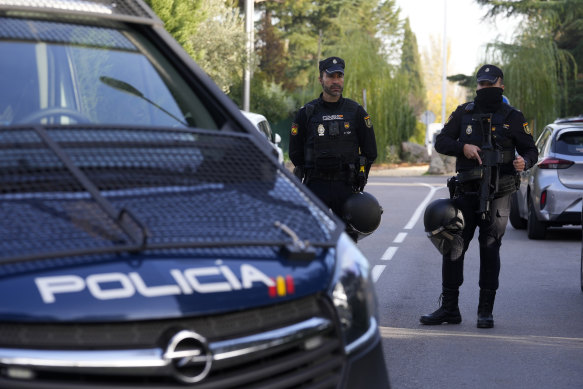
[(332, 192), (490, 237)]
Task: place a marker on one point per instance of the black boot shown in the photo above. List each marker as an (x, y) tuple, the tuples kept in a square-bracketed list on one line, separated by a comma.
[(485, 307), (448, 312)]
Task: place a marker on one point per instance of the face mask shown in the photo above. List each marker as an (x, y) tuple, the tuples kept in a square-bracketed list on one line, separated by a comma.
[(489, 98)]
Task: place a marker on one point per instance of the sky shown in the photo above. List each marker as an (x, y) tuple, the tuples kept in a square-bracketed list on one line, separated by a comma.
[(465, 29)]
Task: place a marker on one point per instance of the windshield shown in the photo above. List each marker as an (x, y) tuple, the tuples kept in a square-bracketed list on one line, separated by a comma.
[(59, 73)]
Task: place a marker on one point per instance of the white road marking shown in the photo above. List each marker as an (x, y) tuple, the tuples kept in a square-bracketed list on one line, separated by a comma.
[(533, 340), (377, 270), (388, 255), (421, 207), (400, 238)]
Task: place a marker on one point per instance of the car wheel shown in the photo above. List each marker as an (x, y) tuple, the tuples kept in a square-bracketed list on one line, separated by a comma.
[(515, 220), (535, 228)]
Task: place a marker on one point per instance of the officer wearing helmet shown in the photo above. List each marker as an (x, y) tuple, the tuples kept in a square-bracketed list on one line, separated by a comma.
[(332, 146), (464, 135)]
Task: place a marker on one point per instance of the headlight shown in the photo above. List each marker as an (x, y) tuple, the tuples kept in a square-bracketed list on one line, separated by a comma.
[(352, 292)]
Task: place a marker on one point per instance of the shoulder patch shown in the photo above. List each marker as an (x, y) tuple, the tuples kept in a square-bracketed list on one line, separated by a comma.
[(526, 128), (367, 121), (294, 129)]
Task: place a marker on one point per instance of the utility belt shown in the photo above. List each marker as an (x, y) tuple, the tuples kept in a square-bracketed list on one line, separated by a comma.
[(468, 182), (351, 173), (342, 175)]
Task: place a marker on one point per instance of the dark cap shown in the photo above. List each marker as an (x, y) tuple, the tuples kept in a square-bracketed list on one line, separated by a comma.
[(489, 73), (332, 65)]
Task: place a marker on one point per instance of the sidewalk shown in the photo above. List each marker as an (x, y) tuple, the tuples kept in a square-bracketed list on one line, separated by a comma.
[(398, 170)]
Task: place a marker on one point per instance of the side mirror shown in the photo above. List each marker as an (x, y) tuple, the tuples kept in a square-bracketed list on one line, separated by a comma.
[(277, 138)]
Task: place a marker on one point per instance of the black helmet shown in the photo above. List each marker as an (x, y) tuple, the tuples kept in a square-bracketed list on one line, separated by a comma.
[(444, 223), (362, 214)]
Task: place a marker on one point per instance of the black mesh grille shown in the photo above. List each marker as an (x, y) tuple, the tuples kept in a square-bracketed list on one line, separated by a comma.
[(24, 29), (182, 186), (126, 8)]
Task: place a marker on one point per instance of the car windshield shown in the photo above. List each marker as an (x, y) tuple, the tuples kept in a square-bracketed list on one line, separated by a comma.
[(570, 143), (60, 73)]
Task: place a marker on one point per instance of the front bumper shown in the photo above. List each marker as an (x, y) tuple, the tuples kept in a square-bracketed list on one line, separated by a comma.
[(366, 367)]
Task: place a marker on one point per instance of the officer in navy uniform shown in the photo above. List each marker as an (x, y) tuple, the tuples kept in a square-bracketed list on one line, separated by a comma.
[(332, 142), (462, 137)]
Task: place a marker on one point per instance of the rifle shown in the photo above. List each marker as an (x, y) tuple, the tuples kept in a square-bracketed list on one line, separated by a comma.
[(490, 160)]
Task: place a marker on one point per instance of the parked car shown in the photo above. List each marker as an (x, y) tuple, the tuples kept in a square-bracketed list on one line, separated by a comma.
[(550, 192), (148, 236), (262, 125), (433, 129)]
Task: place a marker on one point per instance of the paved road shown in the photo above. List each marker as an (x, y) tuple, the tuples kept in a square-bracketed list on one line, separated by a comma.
[(537, 341)]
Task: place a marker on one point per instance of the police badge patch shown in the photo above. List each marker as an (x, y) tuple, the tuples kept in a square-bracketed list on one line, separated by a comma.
[(526, 129), (469, 129), (321, 130), (368, 122), (294, 129)]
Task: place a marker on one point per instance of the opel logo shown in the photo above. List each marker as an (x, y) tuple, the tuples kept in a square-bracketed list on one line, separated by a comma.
[(189, 355)]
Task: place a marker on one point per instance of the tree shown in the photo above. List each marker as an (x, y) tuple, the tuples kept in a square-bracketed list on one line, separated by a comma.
[(411, 69), (542, 67), (432, 73), (181, 18), (211, 31)]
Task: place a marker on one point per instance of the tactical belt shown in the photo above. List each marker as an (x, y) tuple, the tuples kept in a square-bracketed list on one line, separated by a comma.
[(333, 176), (469, 175), (469, 182)]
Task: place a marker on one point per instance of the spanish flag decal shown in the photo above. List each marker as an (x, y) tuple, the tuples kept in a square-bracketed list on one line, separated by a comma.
[(282, 286)]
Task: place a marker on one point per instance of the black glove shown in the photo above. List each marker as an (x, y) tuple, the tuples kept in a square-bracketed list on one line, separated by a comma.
[(360, 181), (299, 172)]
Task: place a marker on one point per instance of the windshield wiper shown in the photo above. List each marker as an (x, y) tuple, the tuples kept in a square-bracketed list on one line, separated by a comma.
[(127, 88), (128, 223)]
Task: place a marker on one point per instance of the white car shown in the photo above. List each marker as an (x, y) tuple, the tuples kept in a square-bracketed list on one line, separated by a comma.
[(262, 125)]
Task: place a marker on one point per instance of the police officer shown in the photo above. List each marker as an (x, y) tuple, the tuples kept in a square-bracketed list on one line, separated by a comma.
[(332, 143), (463, 137)]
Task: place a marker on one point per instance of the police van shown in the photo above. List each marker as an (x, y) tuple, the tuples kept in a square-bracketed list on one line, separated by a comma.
[(149, 238)]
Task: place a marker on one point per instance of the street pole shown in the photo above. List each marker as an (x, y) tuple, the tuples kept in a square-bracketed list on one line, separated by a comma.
[(444, 64), (249, 13)]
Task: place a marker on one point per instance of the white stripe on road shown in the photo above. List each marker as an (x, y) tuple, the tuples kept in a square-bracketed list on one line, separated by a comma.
[(388, 255), (400, 238), (531, 340), (377, 270), (421, 207)]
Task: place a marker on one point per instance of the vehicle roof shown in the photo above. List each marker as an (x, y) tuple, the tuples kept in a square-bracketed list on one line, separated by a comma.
[(572, 119), (135, 11), (567, 126), (254, 118)]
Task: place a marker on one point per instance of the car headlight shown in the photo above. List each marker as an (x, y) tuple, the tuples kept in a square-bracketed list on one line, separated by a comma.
[(352, 292)]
